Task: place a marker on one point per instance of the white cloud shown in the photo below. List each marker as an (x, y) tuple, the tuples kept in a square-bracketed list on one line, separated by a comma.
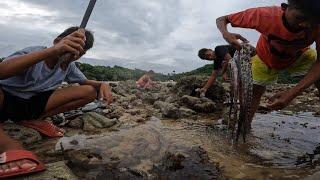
[(17, 8), (25, 15), (167, 32)]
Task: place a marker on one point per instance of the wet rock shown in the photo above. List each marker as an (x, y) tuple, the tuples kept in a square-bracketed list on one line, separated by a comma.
[(167, 109), (127, 125), (93, 121), (83, 159), (115, 173), (140, 120), (87, 126), (116, 97), (186, 112), (126, 105), (134, 112), (315, 176), (159, 104), (162, 96), (190, 101), (207, 107), (74, 142), (125, 87), (106, 111), (90, 107), (76, 123), (188, 85), (311, 159), (128, 98), (317, 114), (170, 111), (171, 83), (203, 105), (58, 119), (115, 112), (150, 98), (73, 114), (25, 135), (286, 112), (193, 164), (118, 91), (137, 102), (102, 104), (173, 161), (171, 99), (113, 84)]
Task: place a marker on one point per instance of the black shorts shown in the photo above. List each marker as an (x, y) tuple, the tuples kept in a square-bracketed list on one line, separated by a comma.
[(17, 109)]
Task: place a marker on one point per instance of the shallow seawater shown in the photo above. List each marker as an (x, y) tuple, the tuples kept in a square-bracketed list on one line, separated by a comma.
[(271, 151), (280, 139)]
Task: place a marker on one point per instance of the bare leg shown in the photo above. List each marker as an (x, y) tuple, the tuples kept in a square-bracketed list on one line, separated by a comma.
[(60, 101), (7, 143), (258, 91), (70, 98)]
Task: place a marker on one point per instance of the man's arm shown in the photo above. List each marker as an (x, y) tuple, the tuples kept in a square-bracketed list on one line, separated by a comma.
[(231, 38), (95, 84), (102, 87), (253, 18), (18, 64), (215, 73), (211, 80), (312, 76), (15, 65), (282, 99)]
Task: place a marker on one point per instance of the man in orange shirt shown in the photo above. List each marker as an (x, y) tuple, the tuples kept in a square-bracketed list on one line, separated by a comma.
[(284, 44)]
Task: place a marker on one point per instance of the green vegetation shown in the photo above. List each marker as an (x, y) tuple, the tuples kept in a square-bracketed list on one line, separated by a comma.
[(116, 73), (202, 71)]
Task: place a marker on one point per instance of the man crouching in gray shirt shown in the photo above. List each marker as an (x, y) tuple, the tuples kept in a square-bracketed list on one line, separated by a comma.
[(28, 92)]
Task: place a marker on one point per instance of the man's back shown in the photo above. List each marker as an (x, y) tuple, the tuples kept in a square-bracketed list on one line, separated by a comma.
[(278, 47)]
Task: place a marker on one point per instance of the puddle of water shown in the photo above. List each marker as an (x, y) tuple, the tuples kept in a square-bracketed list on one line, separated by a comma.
[(280, 139), (276, 142)]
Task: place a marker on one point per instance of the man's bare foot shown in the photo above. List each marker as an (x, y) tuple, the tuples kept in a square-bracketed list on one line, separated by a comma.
[(7, 144)]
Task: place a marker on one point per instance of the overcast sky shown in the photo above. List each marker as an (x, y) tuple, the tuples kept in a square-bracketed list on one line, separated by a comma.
[(148, 33)]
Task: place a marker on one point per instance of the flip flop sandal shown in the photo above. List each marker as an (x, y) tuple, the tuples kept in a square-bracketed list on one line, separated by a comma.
[(16, 155), (44, 127)]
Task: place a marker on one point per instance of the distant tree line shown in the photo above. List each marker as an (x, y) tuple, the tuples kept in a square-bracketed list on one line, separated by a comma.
[(202, 71), (116, 73)]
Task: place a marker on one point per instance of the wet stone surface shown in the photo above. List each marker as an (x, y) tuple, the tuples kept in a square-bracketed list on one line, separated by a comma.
[(281, 139), (169, 132), (25, 135), (192, 164), (139, 152)]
